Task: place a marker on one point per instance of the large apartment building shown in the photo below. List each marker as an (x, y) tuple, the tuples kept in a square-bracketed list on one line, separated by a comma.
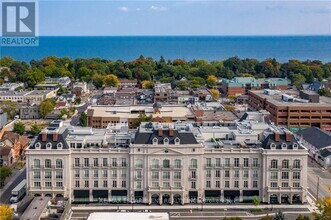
[(293, 109), (168, 163)]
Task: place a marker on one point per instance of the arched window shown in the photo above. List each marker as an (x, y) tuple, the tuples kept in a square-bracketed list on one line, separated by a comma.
[(48, 163), (59, 146), (48, 145), (194, 163), (284, 146), (178, 163), (37, 145), (274, 163), (59, 163), (166, 163), (273, 146), (285, 163), (155, 163), (295, 146), (296, 163), (166, 141), (36, 163), (155, 141), (177, 140)]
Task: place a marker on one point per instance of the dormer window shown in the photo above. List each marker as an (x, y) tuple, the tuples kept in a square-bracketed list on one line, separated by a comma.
[(295, 146), (48, 145), (177, 141), (166, 141), (37, 145), (155, 141), (59, 146), (273, 146), (284, 146)]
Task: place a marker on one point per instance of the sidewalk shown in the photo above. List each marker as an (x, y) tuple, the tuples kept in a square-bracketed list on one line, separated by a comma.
[(11, 179)]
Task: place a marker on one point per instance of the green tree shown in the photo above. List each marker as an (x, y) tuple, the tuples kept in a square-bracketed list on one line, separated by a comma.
[(4, 173), (11, 108), (324, 92), (34, 76), (97, 80), (256, 201), (111, 80), (78, 100), (83, 119), (324, 209), (142, 118), (279, 216), (181, 85), (19, 127), (302, 217), (211, 80), (35, 129), (298, 79), (6, 213), (46, 107)]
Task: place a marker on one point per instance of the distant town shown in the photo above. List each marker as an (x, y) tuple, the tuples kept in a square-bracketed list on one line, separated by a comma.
[(83, 138)]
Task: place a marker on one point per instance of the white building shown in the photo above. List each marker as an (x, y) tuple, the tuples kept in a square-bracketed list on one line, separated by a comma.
[(64, 81), (10, 87)]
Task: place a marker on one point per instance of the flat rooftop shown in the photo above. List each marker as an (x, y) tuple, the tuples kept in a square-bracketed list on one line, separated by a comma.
[(276, 99)]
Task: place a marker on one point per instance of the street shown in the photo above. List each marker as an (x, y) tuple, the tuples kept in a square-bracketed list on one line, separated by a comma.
[(5, 195), (317, 176)]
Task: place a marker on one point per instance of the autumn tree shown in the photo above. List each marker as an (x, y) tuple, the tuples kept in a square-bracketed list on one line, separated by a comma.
[(6, 213), (324, 209), (46, 107), (211, 80), (147, 84), (19, 127), (111, 80), (215, 94), (302, 217)]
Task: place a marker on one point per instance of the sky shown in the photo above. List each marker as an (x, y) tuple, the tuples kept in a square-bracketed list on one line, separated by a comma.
[(132, 18)]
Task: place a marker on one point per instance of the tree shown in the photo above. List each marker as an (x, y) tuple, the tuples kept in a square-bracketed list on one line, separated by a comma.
[(35, 129), (256, 201), (324, 92), (19, 127), (6, 213), (78, 101), (324, 209), (211, 81), (215, 94), (111, 80), (181, 85), (147, 84), (46, 107), (302, 217), (83, 119), (142, 118), (230, 108), (267, 217), (97, 80), (298, 79), (11, 108), (4, 173), (279, 216)]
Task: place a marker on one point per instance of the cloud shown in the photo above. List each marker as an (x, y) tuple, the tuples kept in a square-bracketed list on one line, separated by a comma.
[(138, 9), (123, 8), (158, 8)]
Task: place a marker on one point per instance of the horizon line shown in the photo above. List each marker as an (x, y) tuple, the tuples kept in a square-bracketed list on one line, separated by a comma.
[(279, 35)]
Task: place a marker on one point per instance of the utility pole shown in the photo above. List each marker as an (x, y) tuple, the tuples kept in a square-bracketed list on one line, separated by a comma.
[(318, 186)]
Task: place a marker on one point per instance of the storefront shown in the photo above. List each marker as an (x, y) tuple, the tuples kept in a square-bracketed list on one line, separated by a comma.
[(248, 195), (212, 196), (81, 196), (100, 196), (193, 196), (138, 196), (231, 196), (119, 196)]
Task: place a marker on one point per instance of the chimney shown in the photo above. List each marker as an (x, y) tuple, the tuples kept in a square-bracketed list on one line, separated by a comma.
[(55, 136), (160, 132), (171, 132), (277, 137), (288, 137), (44, 136)]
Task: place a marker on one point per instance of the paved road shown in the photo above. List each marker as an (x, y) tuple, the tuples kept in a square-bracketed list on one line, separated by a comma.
[(5, 195), (315, 172)]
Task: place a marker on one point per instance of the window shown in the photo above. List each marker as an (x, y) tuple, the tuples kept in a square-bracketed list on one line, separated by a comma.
[(95, 162), (114, 183), (255, 162), (105, 162), (123, 162), (285, 184), (227, 162), (77, 184), (59, 163), (36, 163), (218, 162), (59, 146), (296, 184), (274, 163), (166, 184), (236, 184), (193, 175), (139, 163), (48, 145), (155, 163), (296, 175), (177, 175), (36, 174), (123, 184), (194, 163), (284, 146), (48, 174), (86, 173), (123, 173), (208, 162), (166, 175), (296, 164), (138, 185), (208, 173), (37, 145), (236, 162), (95, 183), (193, 185), (246, 161), (227, 173), (95, 173), (218, 184), (255, 174), (37, 184), (166, 141), (114, 162), (236, 174), (218, 173), (155, 175), (77, 173), (105, 184), (104, 173), (166, 163), (59, 175), (155, 184), (177, 163), (86, 184), (274, 175), (285, 164), (245, 184), (114, 174), (48, 184), (77, 162), (177, 184), (273, 184), (285, 175), (48, 163), (155, 141), (245, 174), (86, 162), (207, 184), (254, 184), (226, 184)]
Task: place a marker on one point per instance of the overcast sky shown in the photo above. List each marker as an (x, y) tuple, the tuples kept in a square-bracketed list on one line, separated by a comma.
[(113, 18)]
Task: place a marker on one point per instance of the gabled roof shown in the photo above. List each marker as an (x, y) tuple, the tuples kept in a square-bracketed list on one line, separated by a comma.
[(147, 137), (316, 137), (5, 150), (266, 144)]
